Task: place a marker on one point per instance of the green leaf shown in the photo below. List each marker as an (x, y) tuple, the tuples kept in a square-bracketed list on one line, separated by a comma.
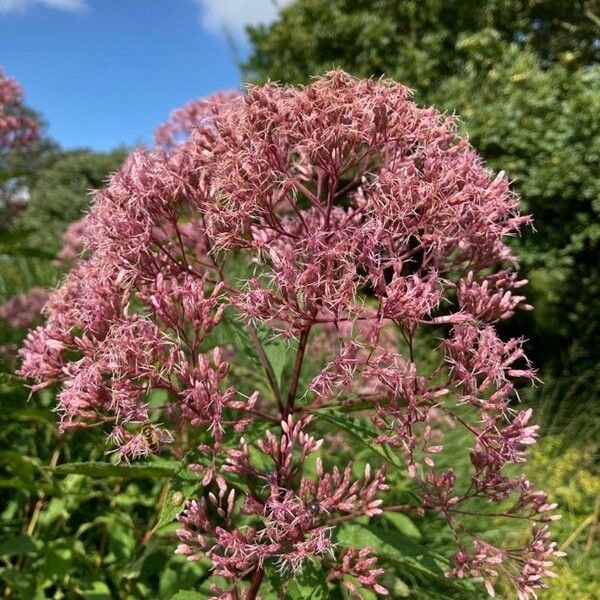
[(98, 591), (39, 415), (56, 510), (17, 235), (22, 544), (22, 582), (362, 431), (400, 589), (188, 596), (394, 547), (23, 466), (309, 584), (278, 353), (102, 469), (274, 585), (277, 349), (58, 560), (364, 594), (239, 338), (16, 483), (403, 524), (181, 488), (206, 588)]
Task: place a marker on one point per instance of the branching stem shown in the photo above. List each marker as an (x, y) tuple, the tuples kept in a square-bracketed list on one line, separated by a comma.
[(291, 399)]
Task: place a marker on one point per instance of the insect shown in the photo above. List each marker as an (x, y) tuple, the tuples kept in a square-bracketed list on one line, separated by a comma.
[(153, 436), (313, 508)]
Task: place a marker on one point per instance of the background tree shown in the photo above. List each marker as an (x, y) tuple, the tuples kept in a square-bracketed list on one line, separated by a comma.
[(415, 41), (59, 193)]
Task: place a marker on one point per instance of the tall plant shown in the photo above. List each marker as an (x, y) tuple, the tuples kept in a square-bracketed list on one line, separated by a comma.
[(322, 231)]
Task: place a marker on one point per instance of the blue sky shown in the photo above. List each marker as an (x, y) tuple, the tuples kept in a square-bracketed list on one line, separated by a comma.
[(107, 72)]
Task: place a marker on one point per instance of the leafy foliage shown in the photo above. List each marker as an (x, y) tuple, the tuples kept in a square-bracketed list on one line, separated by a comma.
[(414, 41), (72, 525)]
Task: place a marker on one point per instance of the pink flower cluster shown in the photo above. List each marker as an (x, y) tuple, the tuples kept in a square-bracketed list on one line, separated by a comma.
[(195, 114), (17, 128), (72, 239), (24, 309), (291, 527), (352, 226)]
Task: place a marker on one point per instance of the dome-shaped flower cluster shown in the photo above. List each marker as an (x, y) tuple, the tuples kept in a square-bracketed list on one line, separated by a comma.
[(346, 223)]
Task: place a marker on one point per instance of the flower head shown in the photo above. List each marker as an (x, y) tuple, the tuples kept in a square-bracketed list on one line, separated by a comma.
[(336, 223)]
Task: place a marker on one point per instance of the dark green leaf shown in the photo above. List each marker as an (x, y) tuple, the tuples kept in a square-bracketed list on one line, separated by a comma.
[(185, 483), (278, 353), (9, 382), (102, 469), (26, 251), (39, 415), (98, 591), (277, 349), (17, 235), (403, 524), (181, 488), (58, 560), (22, 544), (23, 583)]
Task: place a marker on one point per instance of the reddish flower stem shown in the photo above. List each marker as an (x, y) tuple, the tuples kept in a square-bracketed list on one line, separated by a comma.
[(255, 585), (297, 370)]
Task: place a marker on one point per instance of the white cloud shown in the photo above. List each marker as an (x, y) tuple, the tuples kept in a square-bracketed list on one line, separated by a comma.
[(23, 5), (234, 15)]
